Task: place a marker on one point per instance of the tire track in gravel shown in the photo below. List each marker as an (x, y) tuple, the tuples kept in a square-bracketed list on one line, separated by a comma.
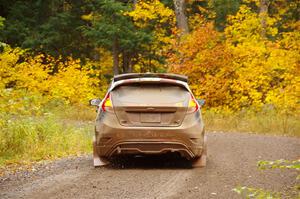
[(171, 187)]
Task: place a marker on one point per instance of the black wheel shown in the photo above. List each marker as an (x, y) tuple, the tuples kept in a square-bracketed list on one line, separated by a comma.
[(201, 161)]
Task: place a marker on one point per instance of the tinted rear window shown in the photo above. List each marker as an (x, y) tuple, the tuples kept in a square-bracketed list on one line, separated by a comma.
[(150, 93)]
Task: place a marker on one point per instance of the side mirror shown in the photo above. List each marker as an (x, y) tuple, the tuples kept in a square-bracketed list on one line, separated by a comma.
[(95, 102), (201, 102)]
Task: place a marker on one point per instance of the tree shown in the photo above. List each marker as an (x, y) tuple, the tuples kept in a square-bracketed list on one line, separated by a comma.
[(285, 13), (181, 19), (204, 59), (263, 13), (223, 8), (159, 20), (1, 27), (266, 68), (51, 27), (115, 31)]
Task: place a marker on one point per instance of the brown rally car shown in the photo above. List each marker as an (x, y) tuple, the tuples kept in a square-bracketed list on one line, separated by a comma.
[(149, 113)]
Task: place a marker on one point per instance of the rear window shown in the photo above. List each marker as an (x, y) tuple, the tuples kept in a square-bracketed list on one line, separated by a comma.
[(150, 93)]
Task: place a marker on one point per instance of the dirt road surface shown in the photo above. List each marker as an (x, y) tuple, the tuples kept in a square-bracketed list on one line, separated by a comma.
[(232, 162)]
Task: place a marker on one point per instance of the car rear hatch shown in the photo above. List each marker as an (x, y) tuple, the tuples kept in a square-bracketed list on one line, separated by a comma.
[(150, 104)]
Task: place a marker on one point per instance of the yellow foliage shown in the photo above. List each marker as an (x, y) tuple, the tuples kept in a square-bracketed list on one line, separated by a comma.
[(153, 14), (73, 82), (245, 70), (267, 72), (206, 62), (8, 60), (29, 84), (146, 11), (245, 26)]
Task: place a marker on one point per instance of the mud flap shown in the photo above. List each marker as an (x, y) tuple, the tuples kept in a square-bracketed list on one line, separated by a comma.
[(98, 161), (201, 161)]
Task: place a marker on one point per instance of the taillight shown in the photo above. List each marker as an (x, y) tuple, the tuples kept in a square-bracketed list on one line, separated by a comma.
[(107, 104), (193, 105)]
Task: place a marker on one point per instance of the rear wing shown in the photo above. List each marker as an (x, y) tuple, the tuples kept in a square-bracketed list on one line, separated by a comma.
[(152, 78), (150, 75)]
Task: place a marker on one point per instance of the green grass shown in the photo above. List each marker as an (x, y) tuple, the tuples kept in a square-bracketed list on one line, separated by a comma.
[(67, 130), (265, 122), (26, 139)]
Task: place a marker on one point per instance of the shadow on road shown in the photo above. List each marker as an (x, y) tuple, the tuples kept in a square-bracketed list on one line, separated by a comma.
[(165, 161)]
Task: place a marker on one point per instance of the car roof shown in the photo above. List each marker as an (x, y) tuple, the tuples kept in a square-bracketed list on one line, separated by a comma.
[(159, 75)]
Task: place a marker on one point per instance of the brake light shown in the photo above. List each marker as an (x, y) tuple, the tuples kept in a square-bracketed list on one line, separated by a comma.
[(193, 105), (107, 104)]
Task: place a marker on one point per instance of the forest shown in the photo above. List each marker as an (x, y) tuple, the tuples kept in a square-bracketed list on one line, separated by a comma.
[(241, 56)]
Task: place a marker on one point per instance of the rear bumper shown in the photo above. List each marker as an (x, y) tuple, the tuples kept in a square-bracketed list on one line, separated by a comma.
[(113, 139), (148, 147)]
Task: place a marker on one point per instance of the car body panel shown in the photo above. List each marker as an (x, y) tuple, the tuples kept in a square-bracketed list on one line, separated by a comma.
[(150, 114), (110, 135)]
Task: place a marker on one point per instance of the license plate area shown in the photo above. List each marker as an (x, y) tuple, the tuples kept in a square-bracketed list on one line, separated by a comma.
[(150, 117)]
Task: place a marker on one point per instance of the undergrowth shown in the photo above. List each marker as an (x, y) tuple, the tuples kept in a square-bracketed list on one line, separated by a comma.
[(264, 122), (60, 130), (26, 139), (259, 193)]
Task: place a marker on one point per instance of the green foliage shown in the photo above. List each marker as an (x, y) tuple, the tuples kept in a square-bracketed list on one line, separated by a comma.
[(224, 8), (109, 23), (1, 27), (1, 22), (50, 27), (113, 30), (279, 164), (247, 192)]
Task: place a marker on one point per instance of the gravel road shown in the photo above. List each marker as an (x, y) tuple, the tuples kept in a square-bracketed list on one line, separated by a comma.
[(232, 159)]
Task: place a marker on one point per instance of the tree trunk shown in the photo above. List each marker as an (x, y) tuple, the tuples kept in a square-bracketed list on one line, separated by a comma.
[(263, 14), (134, 2), (129, 69), (126, 62), (181, 18), (115, 49), (96, 55)]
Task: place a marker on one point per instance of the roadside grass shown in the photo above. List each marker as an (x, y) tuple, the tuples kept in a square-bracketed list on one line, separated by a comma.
[(63, 130), (30, 139), (264, 122), (292, 191), (76, 113)]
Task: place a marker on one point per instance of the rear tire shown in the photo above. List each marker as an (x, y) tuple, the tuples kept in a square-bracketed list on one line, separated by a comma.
[(98, 161), (201, 161)]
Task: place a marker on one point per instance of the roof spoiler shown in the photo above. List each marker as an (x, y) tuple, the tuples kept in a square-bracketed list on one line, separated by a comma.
[(159, 75)]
